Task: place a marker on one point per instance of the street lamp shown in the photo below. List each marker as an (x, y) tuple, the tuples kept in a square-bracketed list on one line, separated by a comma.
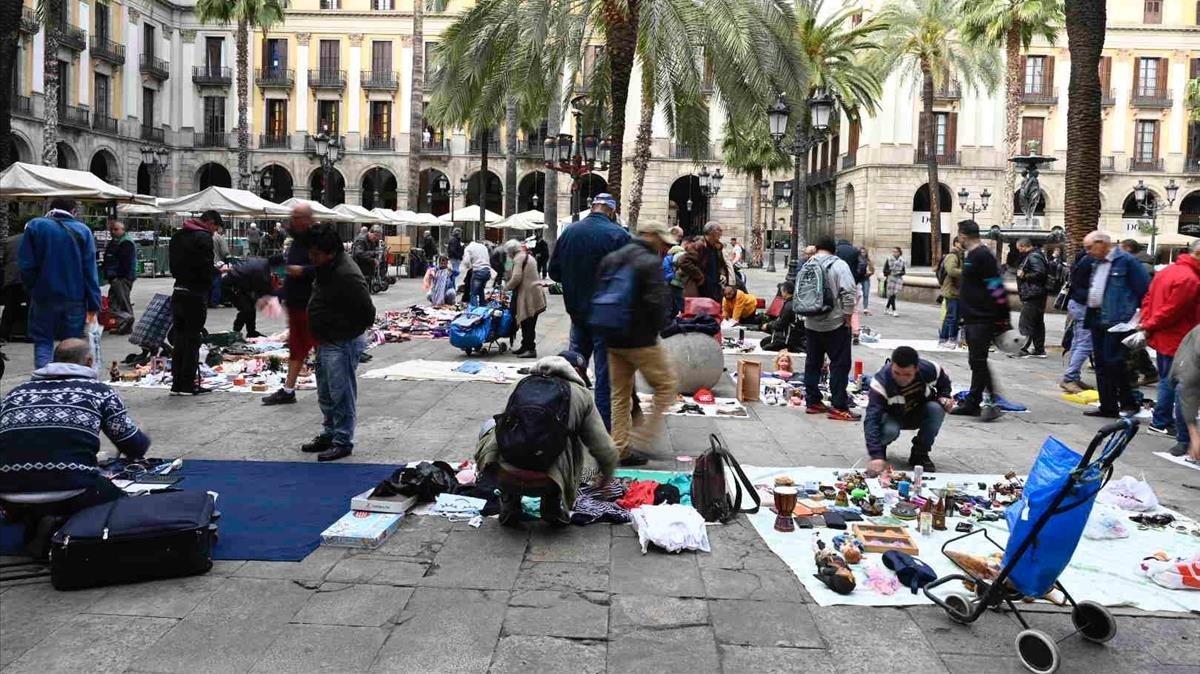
[(156, 162), (785, 197), (710, 185), (972, 208), (1151, 206), (328, 151), (443, 184), (577, 156)]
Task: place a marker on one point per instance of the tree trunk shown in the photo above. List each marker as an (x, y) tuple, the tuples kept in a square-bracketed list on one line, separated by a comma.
[(1012, 121), (550, 196), (481, 195), (243, 96), (641, 152), (1085, 21), (757, 215), (935, 202), (10, 36), (621, 23), (416, 125), (510, 157), (50, 84)]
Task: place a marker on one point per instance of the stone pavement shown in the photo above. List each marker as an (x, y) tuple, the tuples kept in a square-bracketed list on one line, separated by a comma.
[(442, 597)]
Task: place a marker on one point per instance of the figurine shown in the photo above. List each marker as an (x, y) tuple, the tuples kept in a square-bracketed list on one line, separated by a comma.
[(114, 372), (832, 569)]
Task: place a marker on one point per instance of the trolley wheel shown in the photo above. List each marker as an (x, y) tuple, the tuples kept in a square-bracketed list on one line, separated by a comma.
[(961, 605), (503, 347), (1093, 621), (1037, 651)]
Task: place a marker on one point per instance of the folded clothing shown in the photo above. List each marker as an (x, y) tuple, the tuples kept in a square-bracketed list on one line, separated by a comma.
[(640, 493), (703, 323), (672, 527)]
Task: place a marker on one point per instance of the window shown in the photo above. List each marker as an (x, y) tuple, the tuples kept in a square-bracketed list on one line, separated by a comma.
[(383, 5), (100, 102), (1147, 77), (1105, 74), (1194, 67), (1152, 11), (430, 56), (940, 121), (328, 59), (148, 40), (147, 107), (381, 57), (331, 4), (945, 130), (64, 80), (855, 19), (1032, 129), (214, 114), (381, 119), (213, 47), (855, 131), (277, 117), (327, 116), (591, 56), (275, 54), (1146, 141), (1035, 74), (101, 21)]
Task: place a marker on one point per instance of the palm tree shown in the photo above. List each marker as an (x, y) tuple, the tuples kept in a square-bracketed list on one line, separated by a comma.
[(1085, 21), (510, 157), (921, 43), (748, 150), (10, 19), (248, 15), (1011, 24), (53, 12), (416, 126)]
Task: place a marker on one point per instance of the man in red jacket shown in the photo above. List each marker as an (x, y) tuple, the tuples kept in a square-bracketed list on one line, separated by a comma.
[(1171, 309)]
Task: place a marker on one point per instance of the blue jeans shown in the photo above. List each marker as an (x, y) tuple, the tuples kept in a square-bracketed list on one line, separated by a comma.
[(1081, 342), (926, 420), (337, 388), (478, 288), (591, 346), (454, 266), (51, 322), (949, 330), (1112, 382), (1164, 404), (866, 291)]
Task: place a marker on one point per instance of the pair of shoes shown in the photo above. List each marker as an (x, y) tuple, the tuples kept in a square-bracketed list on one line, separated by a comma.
[(1161, 430), (334, 453), (990, 413), (966, 410), (817, 408), (633, 459), (280, 397), (843, 415), (527, 354), (1101, 414), (317, 444), (198, 391), (1037, 354), (1180, 449), (1070, 386)]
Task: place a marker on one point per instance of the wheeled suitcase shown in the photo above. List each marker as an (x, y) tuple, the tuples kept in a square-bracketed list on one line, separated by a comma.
[(135, 538)]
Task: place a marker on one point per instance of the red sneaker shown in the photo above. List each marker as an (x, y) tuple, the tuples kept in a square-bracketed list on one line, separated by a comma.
[(843, 415), (818, 408)]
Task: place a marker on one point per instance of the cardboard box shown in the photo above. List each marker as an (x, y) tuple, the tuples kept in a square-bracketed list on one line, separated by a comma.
[(359, 529), (749, 379), (397, 244), (382, 504)]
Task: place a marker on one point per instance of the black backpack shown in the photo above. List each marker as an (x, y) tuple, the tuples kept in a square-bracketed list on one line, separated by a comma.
[(533, 430), (710, 496)]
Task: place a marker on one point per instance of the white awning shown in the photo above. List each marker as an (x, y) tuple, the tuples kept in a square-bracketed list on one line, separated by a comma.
[(319, 211), (226, 201), (359, 214), (525, 221), (142, 205), (31, 181), (469, 214)]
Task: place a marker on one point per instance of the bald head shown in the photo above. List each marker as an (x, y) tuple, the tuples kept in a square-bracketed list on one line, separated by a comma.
[(116, 228), (302, 217), (74, 351), (1097, 244)]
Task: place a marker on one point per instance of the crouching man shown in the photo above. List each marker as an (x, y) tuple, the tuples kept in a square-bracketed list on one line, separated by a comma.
[(535, 448), (907, 393)]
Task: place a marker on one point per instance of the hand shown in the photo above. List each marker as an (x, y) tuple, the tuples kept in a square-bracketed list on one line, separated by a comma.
[(604, 480), (295, 270), (91, 318), (946, 403), (1194, 444), (877, 466)]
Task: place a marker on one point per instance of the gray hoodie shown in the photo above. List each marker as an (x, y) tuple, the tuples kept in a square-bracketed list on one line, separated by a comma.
[(845, 293)]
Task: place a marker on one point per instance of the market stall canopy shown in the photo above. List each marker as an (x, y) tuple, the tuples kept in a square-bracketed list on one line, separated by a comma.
[(226, 201), (387, 214), (31, 181), (419, 219), (525, 221), (359, 214), (142, 205), (319, 211), (470, 214)]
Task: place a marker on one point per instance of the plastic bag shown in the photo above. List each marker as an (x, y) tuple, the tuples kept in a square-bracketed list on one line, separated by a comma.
[(670, 527), (1105, 524), (1176, 574), (424, 480), (1135, 341), (94, 332), (1129, 493)]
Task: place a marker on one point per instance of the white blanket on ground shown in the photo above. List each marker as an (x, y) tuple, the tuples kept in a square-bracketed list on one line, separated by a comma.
[(722, 408), (1101, 570), (752, 349), (921, 345), (438, 370), (1181, 460)]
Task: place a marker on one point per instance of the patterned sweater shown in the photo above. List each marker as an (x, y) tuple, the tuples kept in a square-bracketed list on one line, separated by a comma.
[(50, 430)]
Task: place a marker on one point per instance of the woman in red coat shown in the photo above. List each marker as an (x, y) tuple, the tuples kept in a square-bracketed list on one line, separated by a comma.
[(1170, 309)]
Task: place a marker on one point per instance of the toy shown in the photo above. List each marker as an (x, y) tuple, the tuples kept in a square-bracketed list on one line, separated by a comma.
[(783, 365), (832, 568)]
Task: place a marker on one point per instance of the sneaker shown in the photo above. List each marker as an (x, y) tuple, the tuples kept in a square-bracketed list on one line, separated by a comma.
[(198, 391), (518, 352), (280, 397), (317, 444), (843, 415), (1070, 386), (1020, 354), (1037, 354), (1161, 430), (633, 459), (817, 408), (334, 453), (966, 410), (990, 413), (1180, 449), (254, 333), (1085, 386)]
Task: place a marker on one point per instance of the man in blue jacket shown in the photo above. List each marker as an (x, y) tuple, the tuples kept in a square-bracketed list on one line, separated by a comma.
[(1081, 337), (58, 269), (120, 271), (907, 393), (1117, 286), (575, 263)]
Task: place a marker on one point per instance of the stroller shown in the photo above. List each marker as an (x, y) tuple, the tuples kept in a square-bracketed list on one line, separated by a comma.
[(1044, 528), (479, 328)]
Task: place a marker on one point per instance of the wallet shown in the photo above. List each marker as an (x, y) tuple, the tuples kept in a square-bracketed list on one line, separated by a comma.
[(835, 520)]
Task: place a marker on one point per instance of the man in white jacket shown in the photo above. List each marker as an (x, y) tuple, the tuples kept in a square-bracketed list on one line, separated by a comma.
[(479, 270)]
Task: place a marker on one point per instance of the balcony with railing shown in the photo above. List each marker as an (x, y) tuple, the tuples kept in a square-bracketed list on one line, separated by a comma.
[(275, 141), (72, 37), (104, 49), (1043, 97), (821, 175), (949, 90), (22, 105), (684, 152), (275, 78), (533, 146), (212, 76), (1191, 165), (326, 78), (1158, 99), (1108, 98), (380, 80), (1108, 164), (103, 123), (310, 145), (849, 161), (155, 67), (154, 134), (1146, 165), (74, 116), (379, 143), (493, 146), (217, 139), (438, 146), (29, 23), (942, 158)]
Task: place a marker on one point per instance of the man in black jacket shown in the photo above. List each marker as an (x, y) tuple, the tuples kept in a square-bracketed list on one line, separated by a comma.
[(339, 311), (191, 256), (1032, 278), (983, 314), (120, 270), (637, 347), (454, 251), (244, 284)]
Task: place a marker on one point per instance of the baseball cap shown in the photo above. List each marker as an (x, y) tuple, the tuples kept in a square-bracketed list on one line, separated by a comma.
[(702, 396), (605, 199), (577, 361), (658, 229)]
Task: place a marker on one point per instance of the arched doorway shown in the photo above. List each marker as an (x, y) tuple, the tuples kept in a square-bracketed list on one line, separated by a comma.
[(589, 186), (143, 180), (20, 149), (337, 187), (493, 192), (379, 189), (433, 197), (1189, 215), (922, 240), (66, 156), (104, 166), (1133, 218), (687, 204), (213, 174), (531, 192), (282, 186)]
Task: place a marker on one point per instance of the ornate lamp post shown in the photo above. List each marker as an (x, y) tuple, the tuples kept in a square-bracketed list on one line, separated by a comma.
[(972, 207), (1151, 206), (261, 180), (785, 197), (156, 162), (821, 106), (710, 185), (444, 188), (577, 156), (329, 152)]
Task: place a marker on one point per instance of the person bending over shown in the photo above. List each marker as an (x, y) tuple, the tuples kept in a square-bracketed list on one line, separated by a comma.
[(740, 307), (907, 393), (244, 284), (787, 331)]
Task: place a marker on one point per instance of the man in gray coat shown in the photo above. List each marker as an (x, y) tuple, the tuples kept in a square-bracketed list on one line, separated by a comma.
[(828, 334)]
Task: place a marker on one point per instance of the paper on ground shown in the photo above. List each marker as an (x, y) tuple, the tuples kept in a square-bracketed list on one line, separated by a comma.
[(1103, 571), (437, 370), (1181, 460), (921, 345)]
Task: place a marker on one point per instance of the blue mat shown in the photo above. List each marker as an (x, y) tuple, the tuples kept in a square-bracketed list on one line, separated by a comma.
[(270, 510)]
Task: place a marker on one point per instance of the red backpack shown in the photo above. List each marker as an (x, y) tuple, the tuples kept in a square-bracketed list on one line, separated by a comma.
[(710, 494)]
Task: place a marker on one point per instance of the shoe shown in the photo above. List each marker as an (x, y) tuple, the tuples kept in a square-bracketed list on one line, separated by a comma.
[(280, 397), (254, 333), (1130, 411), (518, 352), (1037, 354), (866, 312), (528, 354), (1070, 386), (1161, 430), (317, 444), (1102, 414), (990, 413), (854, 341), (920, 457), (965, 410), (817, 408), (1020, 354), (200, 390), (334, 453), (634, 459), (1180, 449), (1085, 386), (843, 415)]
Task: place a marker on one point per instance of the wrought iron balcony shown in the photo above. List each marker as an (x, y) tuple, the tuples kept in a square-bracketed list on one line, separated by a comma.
[(155, 67), (107, 50), (435, 146), (29, 23), (212, 76), (72, 38), (821, 175), (493, 146), (1108, 98), (211, 139), (947, 91), (379, 143), (326, 78), (70, 115), (102, 122), (1191, 165), (275, 78), (22, 105), (278, 141), (381, 80), (1146, 165), (1039, 98), (943, 159), (684, 152), (1151, 99), (154, 134), (1108, 164), (531, 147), (849, 161)]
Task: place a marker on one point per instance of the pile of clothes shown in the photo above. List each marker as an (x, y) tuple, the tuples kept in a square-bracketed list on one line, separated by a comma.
[(415, 322)]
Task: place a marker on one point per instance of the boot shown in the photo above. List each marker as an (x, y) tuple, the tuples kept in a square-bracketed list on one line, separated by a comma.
[(317, 444), (920, 457)]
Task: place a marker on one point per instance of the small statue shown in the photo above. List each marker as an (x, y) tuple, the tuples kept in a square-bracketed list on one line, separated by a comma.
[(832, 569), (114, 372)]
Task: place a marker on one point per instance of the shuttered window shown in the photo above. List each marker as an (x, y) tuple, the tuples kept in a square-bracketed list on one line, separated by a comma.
[(1146, 140), (1032, 129), (1152, 11)]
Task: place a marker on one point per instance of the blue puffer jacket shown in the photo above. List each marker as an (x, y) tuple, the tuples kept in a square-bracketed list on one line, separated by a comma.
[(885, 399), (576, 260), (1127, 285), (58, 265)]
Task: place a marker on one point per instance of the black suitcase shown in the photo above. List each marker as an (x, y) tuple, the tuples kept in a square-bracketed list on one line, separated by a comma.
[(135, 538)]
